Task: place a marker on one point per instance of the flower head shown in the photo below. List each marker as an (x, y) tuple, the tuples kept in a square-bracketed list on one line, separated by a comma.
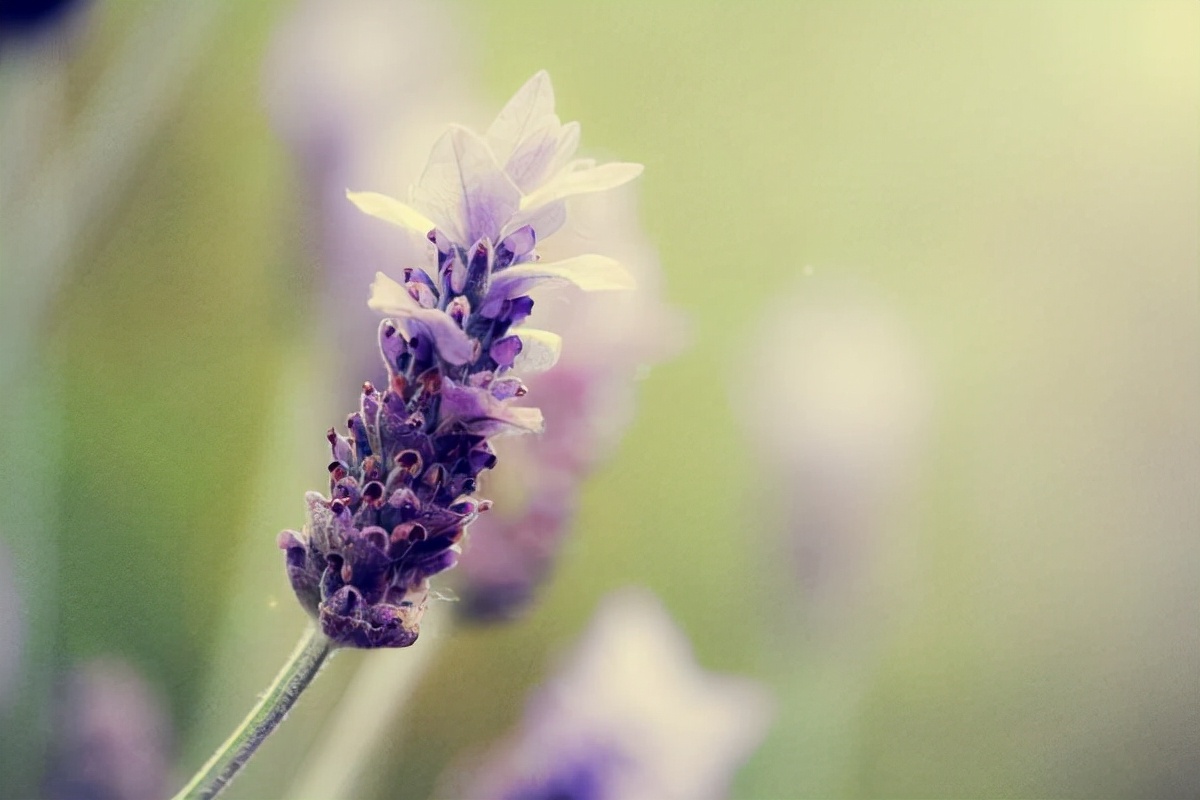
[(630, 716), (402, 482)]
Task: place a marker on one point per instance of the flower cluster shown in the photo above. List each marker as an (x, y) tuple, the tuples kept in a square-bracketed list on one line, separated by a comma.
[(402, 481)]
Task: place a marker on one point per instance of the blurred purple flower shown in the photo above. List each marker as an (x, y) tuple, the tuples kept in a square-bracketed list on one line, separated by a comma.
[(587, 400), (360, 90), (12, 637), (629, 716), (402, 483), (112, 739)]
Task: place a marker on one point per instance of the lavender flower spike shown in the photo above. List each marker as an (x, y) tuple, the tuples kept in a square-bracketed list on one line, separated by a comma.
[(630, 717), (402, 483)]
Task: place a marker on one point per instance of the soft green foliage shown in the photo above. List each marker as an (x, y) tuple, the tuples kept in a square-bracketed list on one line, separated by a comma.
[(1019, 179)]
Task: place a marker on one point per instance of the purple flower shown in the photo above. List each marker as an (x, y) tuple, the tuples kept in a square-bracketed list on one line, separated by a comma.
[(12, 637), (630, 716), (112, 738), (402, 482), (357, 105)]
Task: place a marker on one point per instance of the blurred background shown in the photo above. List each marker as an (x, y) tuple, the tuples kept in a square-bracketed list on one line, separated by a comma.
[(928, 466)]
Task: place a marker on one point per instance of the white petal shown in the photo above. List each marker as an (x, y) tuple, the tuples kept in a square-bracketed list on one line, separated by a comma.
[(391, 210), (568, 143), (581, 181), (393, 299), (534, 155), (524, 420), (544, 220), (464, 190), (590, 272), (542, 153), (539, 350), (520, 115)]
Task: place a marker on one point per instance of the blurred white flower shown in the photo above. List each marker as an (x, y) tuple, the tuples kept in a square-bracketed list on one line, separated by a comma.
[(360, 90), (629, 716), (838, 413)]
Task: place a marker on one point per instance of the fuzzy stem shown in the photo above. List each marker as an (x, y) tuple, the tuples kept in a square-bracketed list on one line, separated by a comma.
[(297, 673), (367, 711)]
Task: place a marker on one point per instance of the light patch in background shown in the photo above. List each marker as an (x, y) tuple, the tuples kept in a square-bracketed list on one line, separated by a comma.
[(838, 411), (12, 632)]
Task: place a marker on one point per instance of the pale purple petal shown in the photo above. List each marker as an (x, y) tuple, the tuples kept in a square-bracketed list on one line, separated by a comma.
[(520, 242), (583, 180), (540, 350), (391, 210), (464, 191), (568, 143), (542, 153), (546, 219), (505, 351), (477, 410), (531, 104), (591, 273), (394, 299)]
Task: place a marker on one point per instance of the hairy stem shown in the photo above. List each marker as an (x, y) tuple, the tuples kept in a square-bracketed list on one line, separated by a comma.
[(297, 673), (367, 711)]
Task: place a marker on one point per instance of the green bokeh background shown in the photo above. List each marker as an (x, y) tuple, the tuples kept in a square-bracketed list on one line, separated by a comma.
[(1021, 180)]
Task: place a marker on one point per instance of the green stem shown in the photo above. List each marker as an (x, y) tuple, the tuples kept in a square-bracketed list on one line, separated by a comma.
[(297, 673)]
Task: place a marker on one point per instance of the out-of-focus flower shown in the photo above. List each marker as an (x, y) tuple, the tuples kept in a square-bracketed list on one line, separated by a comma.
[(402, 483), (587, 399), (112, 739), (11, 628), (27, 16), (838, 412), (360, 90), (630, 716)]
